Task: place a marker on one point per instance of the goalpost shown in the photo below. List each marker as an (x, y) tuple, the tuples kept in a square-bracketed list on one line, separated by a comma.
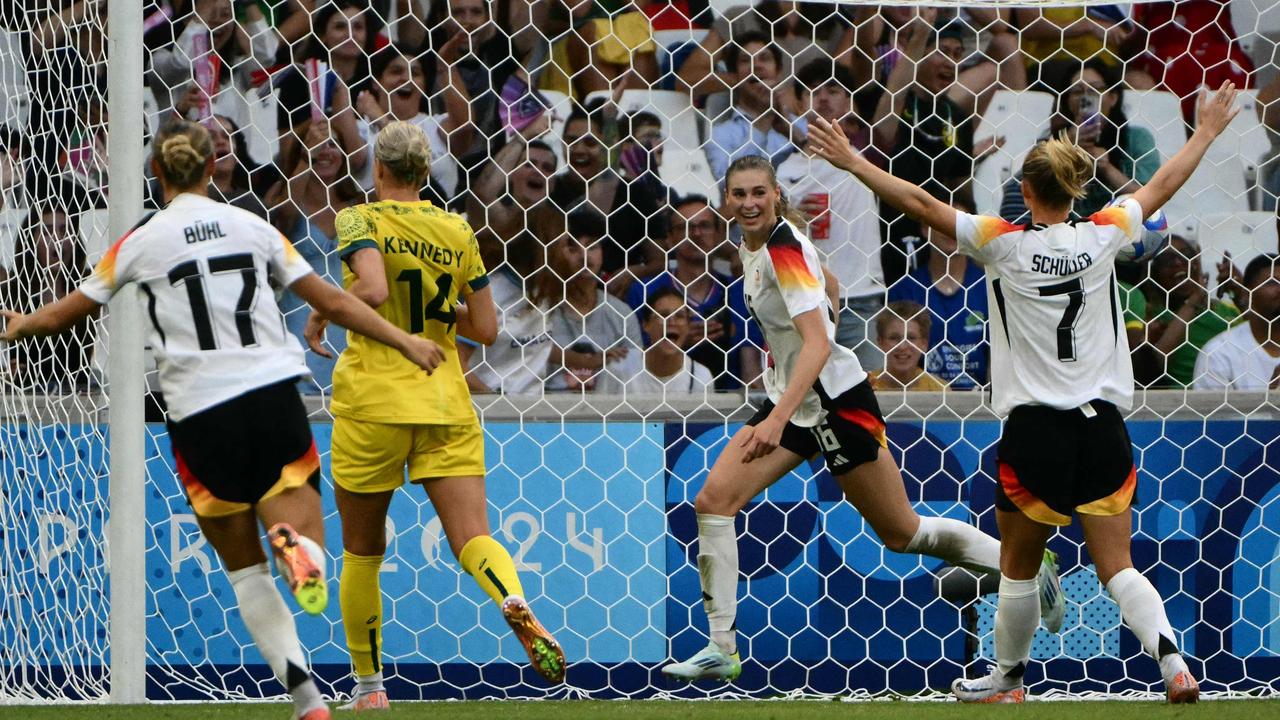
[(107, 592)]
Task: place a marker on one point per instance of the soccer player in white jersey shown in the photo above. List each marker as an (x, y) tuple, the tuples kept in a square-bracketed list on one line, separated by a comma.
[(228, 368), (1062, 376), (819, 402)]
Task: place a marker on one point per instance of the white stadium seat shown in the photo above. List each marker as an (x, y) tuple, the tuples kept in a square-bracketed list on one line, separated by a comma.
[(1161, 113), (14, 105), (1021, 118), (1245, 235), (262, 133), (11, 220), (688, 173), (95, 233)]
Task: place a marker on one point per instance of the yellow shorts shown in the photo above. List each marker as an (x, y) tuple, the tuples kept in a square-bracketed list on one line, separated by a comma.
[(369, 457)]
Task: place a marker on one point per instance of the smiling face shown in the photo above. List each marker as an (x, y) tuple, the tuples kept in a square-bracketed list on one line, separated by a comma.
[(217, 15), (903, 344), (939, 71), (327, 160), (403, 81), (668, 324), (752, 199), (586, 153), (529, 179), (345, 33), (224, 156), (1177, 270)]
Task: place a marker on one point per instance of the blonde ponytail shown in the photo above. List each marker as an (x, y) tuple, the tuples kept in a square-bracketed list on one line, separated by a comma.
[(1057, 170)]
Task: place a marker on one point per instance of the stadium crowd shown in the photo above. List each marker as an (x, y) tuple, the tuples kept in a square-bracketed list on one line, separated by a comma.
[(586, 142)]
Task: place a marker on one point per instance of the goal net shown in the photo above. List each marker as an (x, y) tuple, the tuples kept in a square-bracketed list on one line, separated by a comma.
[(586, 143)]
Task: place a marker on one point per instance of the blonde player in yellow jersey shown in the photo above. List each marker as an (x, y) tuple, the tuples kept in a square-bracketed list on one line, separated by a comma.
[(413, 262)]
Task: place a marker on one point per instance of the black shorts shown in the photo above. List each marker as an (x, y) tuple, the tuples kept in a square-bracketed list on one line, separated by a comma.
[(249, 448), (1054, 463), (851, 434)]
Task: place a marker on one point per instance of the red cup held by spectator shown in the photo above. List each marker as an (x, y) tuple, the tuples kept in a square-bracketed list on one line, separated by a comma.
[(818, 205)]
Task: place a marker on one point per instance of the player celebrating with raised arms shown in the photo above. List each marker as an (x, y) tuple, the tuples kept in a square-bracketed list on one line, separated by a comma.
[(413, 262), (1061, 375), (228, 368), (819, 401)]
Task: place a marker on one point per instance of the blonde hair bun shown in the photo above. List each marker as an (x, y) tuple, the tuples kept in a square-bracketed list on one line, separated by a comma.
[(403, 148), (182, 150), (1057, 170)]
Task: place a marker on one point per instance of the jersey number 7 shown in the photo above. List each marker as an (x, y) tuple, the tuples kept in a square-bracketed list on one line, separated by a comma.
[(440, 308), (1074, 290)]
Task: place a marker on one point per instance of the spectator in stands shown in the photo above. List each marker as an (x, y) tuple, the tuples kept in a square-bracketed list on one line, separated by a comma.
[(803, 31), (206, 61), (718, 333), (902, 334), (1058, 39), (518, 361), (843, 215), (1185, 45), (926, 136), (630, 202), (1269, 170), (511, 192), (690, 15), (1181, 317), (233, 169), (303, 208), (594, 331), (667, 370), (1092, 110), (49, 262), (612, 43), (487, 52), (954, 291), (1247, 357), (338, 53), (66, 76), (762, 119), (399, 92)]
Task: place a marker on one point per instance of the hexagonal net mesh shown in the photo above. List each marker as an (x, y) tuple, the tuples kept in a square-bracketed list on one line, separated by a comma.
[(586, 143)]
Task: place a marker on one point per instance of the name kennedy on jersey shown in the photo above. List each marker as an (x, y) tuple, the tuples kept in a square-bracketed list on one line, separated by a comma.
[(424, 250), (1061, 265)]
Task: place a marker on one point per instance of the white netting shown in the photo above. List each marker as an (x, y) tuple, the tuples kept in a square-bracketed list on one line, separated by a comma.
[(586, 143)]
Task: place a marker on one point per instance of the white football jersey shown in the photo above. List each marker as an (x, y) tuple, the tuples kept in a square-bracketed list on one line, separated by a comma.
[(1057, 332), (215, 328), (784, 279)]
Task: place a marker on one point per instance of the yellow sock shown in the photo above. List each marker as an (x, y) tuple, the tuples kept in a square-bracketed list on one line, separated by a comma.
[(361, 599), (490, 564)]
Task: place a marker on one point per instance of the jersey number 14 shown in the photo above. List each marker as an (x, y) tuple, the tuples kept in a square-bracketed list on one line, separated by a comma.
[(440, 308)]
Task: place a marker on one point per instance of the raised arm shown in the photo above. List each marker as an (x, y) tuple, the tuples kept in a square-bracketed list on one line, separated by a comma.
[(1215, 114), (50, 319), (830, 143)]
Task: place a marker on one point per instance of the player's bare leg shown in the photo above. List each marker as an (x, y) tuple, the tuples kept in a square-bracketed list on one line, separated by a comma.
[(729, 487), (464, 515), (876, 489), (237, 541), (295, 529), (1107, 538), (1022, 543), (364, 541)]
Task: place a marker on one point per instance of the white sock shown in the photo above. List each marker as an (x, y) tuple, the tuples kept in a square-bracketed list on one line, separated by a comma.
[(1143, 612), (1017, 615), (718, 568), (958, 543), (271, 626), (366, 684), (316, 552)]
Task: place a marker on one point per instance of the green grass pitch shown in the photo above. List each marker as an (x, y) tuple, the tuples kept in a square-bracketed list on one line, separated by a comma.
[(672, 710)]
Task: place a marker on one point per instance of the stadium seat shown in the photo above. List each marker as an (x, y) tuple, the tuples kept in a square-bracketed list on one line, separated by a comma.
[(1258, 24), (1245, 140), (11, 220), (94, 231), (262, 135), (1245, 235), (13, 81), (1217, 184), (688, 173), (1161, 113), (1021, 118), (681, 122)]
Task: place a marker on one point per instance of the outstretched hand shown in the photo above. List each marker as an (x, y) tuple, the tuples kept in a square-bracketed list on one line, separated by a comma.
[(1218, 111), (829, 142), (14, 326)]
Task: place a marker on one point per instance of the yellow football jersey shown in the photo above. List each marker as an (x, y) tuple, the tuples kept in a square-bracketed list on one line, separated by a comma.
[(431, 259)]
